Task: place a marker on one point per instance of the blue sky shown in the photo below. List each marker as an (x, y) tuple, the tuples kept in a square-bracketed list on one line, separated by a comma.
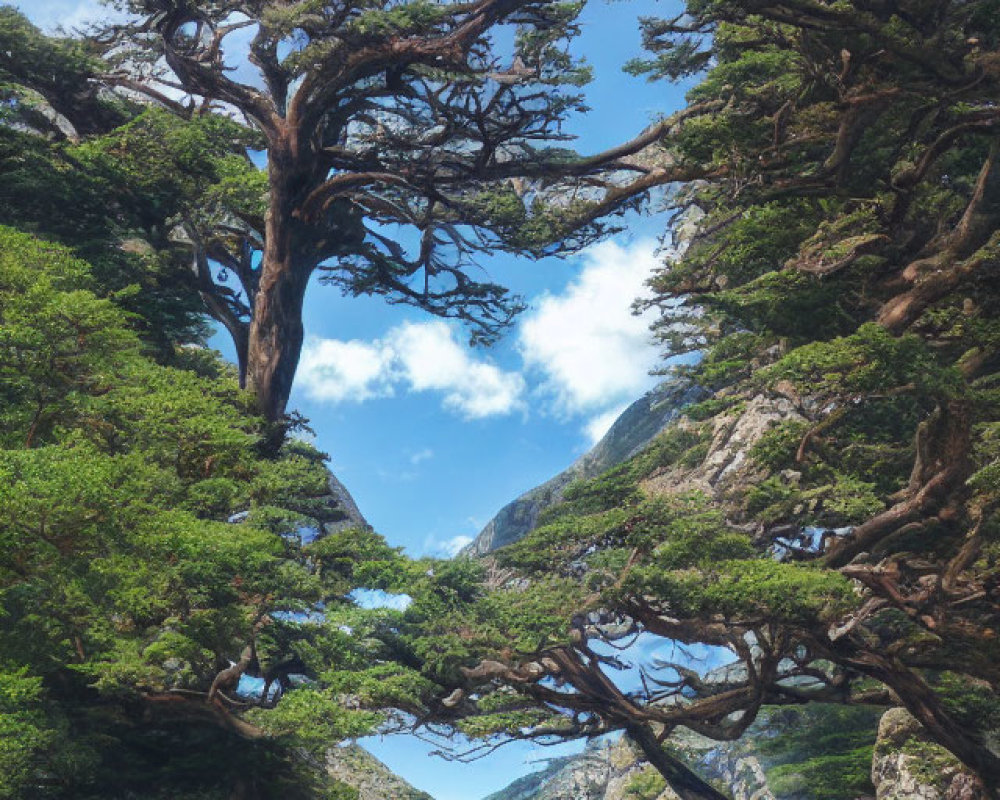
[(431, 437)]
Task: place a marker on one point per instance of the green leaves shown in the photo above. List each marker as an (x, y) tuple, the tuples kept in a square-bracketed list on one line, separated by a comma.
[(749, 591), (25, 731), (315, 719), (870, 361), (123, 571)]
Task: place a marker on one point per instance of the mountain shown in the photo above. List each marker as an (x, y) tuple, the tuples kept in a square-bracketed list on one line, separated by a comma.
[(630, 433), (612, 769), (343, 510), (372, 779), (786, 755)]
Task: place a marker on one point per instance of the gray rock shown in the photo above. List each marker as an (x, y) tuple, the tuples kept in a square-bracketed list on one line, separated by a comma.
[(629, 435), (345, 512), (908, 765), (355, 766), (607, 768)]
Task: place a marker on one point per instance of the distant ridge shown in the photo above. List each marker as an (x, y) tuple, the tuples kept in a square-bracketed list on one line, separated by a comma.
[(630, 433)]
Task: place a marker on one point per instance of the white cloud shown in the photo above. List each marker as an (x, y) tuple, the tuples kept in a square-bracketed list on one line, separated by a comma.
[(68, 15), (600, 424), (433, 361), (421, 455), (333, 371), (589, 347), (582, 348), (420, 357), (447, 548)]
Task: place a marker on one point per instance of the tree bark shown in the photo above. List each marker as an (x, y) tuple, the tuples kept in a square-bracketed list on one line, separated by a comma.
[(679, 777), (276, 331), (925, 705)]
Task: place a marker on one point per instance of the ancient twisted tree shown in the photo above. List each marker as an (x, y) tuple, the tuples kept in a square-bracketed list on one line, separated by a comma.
[(841, 542), (402, 140)]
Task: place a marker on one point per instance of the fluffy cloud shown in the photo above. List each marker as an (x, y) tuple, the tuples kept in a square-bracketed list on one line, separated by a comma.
[(583, 348), (68, 15), (432, 360), (332, 371), (418, 357), (591, 351), (446, 548)]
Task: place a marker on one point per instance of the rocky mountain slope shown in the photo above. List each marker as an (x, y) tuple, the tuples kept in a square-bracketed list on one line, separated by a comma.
[(768, 764), (613, 770), (343, 510), (372, 779), (629, 434)]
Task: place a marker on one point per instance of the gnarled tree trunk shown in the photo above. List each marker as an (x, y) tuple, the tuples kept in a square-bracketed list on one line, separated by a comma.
[(276, 330), (679, 777)]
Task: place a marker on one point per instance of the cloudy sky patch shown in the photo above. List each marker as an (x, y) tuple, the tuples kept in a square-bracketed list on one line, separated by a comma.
[(411, 357), (579, 352), (589, 349)]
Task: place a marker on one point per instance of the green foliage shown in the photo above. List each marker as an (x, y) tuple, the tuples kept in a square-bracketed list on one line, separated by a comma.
[(785, 303), (748, 590), (25, 731), (647, 784), (729, 359), (176, 168), (314, 718), (51, 190), (126, 580), (508, 722), (821, 752), (775, 449), (517, 620), (869, 361), (974, 703), (836, 500), (756, 242)]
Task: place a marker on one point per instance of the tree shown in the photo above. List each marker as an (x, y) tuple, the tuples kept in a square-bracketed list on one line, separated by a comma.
[(843, 269), (48, 82), (402, 141), (106, 177), (151, 558)]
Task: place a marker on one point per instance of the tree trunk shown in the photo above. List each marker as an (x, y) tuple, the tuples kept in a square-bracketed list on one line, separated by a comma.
[(276, 331), (925, 705), (679, 777), (276, 336)]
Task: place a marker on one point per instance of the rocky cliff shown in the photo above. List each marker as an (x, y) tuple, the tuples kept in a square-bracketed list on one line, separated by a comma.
[(823, 752), (613, 770), (343, 511), (637, 426), (909, 766), (373, 780)]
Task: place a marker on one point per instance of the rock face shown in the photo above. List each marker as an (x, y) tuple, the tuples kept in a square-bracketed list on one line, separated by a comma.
[(727, 465), (909, 766), (613, 770), (601, 772), (343, 511), (630, 433), (358, 768)]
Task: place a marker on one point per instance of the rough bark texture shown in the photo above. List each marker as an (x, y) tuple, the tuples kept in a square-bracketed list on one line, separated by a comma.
[(276, 331), (681, 778)]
